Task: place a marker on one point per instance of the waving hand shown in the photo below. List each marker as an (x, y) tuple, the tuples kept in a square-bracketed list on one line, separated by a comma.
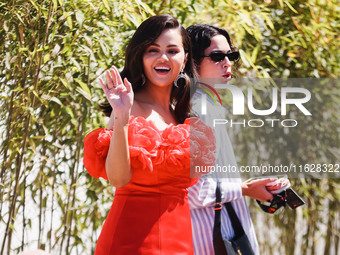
[(119, 94)]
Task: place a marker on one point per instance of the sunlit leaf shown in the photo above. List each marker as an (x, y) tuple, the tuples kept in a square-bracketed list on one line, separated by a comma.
[(85, 91), (290, 6), (106, 5), (80, 18)]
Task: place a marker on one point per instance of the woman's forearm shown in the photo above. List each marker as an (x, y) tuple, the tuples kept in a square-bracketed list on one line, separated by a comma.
[(117, 163)]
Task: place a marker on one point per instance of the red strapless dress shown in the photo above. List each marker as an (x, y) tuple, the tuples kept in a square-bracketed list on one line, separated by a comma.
[(151, 215)]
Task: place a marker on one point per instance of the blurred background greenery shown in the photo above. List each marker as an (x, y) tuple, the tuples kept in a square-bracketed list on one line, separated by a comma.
[(51, 55)]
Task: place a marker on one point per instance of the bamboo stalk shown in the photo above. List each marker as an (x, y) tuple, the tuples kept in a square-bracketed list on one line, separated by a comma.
[(52, 209), (330, 220), (67, 213), (5, 150), (55, 134), (81, 126), (74, 171), (40, 208), (41, 179), (75, 178), (337, 235), (12, 207), (5, 234), (23, 215)]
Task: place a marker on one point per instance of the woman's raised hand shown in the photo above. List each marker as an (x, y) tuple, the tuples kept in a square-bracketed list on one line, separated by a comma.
[(119, 94)]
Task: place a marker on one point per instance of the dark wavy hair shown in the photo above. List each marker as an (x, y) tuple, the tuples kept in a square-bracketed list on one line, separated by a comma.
[(146, 34), (200, 35)]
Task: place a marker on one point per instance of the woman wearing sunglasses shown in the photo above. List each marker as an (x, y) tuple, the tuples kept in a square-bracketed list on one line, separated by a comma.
[(213, 55)]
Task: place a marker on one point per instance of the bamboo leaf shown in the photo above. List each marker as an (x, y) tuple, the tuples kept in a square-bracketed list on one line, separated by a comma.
[(80, 18), (254, 54), (271, 61), (46, 58), (65, 83), (85, 91), (33, 3), (69, 21), (55, 4), (290, 6), (269, 22), (106, 5), (53, 99), (56, 50)]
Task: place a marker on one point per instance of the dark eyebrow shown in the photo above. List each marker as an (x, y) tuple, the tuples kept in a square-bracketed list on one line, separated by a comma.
[(168, 46), (172, 45)]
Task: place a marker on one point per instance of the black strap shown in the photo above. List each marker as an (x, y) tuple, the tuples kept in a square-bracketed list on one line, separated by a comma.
[(238, 229), (219, 247), (237, 226), (218, 208)]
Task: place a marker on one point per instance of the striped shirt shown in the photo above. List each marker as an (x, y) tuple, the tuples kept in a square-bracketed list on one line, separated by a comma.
[(202, 195)]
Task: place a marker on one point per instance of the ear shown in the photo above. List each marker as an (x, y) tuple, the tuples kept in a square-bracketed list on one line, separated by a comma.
[(185, 61)]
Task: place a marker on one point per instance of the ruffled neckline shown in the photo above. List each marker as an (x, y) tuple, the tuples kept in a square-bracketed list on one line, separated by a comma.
[(172, 149), (143, 119)]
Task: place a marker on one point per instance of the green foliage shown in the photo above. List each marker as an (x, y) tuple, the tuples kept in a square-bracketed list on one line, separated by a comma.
[(53, 51)]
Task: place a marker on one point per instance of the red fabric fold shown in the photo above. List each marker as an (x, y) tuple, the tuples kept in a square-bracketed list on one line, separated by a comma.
[(176, 148)]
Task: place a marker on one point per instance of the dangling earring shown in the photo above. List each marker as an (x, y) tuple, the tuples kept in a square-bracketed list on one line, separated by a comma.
[(181, 75)]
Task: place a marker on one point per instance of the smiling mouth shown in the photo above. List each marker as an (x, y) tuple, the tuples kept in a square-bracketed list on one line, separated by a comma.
[(162, 69), (227, 76)]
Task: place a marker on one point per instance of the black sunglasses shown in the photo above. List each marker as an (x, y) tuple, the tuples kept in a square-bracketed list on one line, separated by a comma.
[(217, 56)]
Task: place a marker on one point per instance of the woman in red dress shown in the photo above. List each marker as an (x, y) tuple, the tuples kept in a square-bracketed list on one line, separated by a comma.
[(145, 152)]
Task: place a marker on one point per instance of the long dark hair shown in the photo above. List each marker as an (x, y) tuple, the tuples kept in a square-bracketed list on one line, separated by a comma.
[(200, 35), (146, 34)]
